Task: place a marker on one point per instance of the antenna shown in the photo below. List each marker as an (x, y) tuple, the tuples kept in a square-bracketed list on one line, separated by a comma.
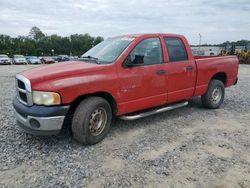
[(200, 42)]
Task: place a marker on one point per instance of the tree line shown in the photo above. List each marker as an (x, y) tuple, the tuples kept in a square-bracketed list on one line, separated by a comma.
[(226, 44), (39, 44)]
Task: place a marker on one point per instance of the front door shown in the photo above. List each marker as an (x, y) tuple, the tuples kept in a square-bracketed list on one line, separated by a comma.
[(143, 84)]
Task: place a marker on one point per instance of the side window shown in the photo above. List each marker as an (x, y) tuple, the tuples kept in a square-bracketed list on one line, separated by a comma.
[(147, 52), (176, 49)]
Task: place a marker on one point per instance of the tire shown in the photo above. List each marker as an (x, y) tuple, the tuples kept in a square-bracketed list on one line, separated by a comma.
[(214, 96), (91, 120)]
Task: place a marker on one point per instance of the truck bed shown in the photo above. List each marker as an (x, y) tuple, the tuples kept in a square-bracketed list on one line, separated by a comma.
[(208, 65), (204, 57)]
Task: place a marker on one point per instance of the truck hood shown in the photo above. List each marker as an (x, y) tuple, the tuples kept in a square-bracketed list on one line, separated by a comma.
[(59, 70)]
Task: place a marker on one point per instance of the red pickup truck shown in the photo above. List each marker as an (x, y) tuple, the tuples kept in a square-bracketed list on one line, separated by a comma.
[(129, 76)]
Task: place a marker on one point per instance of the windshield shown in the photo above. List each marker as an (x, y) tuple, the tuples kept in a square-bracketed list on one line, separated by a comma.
[(18, 56), (3, 56), (108, 50)]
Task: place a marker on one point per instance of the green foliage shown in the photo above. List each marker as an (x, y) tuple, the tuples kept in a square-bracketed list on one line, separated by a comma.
[(39, 44), (238, 43), (228, 43), (35, 33)]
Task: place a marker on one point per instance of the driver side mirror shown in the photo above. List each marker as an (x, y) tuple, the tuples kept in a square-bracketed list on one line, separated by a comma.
[(128, 62), (137, 61)]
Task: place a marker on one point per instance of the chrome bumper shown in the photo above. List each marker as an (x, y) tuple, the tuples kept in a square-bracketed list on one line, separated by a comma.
[(40, 125)]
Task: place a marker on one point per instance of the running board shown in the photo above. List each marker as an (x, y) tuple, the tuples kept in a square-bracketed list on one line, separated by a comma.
[(155, 111)]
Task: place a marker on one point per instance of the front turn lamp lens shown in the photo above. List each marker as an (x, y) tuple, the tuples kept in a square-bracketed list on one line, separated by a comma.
[(46, 98)]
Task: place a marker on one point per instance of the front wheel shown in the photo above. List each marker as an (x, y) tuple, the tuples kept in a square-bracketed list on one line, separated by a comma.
[(214, 96), (91, 120)]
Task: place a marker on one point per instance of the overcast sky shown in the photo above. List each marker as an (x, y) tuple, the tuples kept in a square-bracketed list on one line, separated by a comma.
[(216, 20)]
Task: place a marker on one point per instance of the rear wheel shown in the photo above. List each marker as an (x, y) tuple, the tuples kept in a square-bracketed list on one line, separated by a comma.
[(214, 96), (91, 121)]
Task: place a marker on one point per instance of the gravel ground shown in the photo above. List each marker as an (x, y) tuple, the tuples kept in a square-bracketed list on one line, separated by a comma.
[(188, 147)]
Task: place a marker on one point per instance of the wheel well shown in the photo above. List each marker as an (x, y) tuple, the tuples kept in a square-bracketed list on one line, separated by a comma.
[(104, 95), (220, 76)]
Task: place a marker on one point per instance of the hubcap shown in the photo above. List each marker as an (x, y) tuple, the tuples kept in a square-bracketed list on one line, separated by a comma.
[(216, 95), (97, 121)]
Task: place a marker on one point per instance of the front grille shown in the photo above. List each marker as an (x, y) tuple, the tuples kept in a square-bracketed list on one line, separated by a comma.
[(20, 84), (23, 96), (23, 90)]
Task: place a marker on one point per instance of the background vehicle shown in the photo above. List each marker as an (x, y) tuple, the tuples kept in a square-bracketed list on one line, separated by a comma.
[(33, 60), (73, 57), (131, 77), (47, 60), (4, 59), (61, 58), (55, 58), (19, 59)]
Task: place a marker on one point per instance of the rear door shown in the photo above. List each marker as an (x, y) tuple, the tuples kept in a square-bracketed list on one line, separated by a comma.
[(181, 70)]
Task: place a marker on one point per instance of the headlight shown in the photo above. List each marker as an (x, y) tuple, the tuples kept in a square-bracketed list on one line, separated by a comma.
[(46, 98)]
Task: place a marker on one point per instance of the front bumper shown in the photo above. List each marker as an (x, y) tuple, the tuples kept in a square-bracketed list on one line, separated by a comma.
[(35, 62), (5, 62), (40, 120)]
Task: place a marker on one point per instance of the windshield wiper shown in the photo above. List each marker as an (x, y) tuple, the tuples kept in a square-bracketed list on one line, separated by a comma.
[(91, 58)]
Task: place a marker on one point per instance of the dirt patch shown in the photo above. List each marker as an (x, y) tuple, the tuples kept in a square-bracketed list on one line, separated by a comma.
[(235, 177)]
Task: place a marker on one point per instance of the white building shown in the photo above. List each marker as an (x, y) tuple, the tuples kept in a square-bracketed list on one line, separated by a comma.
[(206, 50)]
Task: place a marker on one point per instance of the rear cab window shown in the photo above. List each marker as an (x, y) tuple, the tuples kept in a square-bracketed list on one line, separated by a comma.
[(176, 49)]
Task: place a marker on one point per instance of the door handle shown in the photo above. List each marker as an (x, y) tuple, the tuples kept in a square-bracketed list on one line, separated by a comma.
[(161, 72), (189, 68)]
